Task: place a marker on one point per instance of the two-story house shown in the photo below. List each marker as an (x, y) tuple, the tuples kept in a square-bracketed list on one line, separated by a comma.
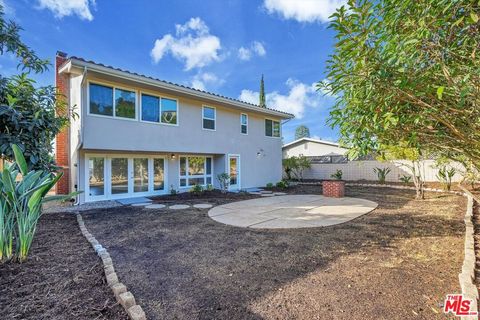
[(140, 136)]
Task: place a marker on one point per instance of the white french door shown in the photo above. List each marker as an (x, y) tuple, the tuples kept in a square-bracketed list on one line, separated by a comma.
[(119, 176), (233, 165)]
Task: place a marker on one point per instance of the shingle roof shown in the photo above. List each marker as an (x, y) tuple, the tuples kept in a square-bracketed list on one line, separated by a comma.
[(177, 85)]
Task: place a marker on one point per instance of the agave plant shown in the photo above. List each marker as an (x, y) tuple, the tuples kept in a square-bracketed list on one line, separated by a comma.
[(445, 176), (382, 174), (22, 193)]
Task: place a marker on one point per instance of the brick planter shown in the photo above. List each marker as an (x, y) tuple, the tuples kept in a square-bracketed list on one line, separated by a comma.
[(333, 188)]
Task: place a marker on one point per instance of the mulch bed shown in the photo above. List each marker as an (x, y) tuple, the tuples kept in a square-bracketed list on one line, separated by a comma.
[(214, 197), (62, 279), (397, 262)]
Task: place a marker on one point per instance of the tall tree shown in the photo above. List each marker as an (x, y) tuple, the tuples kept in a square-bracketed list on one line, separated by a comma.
[(407, 70), (28, 114), (302, 132), (262, 102)]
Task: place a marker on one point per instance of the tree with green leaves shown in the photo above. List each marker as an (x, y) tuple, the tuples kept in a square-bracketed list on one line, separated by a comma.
[(412, 161), (262, 103), (409, 71), (30, 116), (302, 132)]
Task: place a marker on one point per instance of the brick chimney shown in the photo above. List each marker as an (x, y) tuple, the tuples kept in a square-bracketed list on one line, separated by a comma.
[(62, 143)]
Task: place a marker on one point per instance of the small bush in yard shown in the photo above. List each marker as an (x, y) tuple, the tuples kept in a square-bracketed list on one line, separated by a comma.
[(224, 181), (337, 175), (210, 187), (382, 174), (22, 193), (173, 191), (405, 179), (269, 185), (282, 184), (445, 176), (197, 189)]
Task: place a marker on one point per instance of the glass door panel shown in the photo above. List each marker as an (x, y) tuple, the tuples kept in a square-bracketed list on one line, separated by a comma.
[(140, 175), (158, 174), (96, 176), (119, 175), (233, 172)]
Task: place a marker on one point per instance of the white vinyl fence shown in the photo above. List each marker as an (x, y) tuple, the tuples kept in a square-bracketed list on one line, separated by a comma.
[(363, 170)]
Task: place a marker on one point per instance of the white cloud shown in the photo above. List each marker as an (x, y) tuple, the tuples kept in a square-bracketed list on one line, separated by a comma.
[(256, 48), (304, 10), (193, 44), (202, 79), (299, 97), (62, 8)]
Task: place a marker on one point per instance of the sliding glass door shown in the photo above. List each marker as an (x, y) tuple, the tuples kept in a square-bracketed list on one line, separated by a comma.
[(116, 177)]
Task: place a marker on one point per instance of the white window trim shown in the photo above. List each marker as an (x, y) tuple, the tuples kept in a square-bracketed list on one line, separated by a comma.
[(187, 176), (214, 120), (114, 116), (107, 179), (160, 109), (279, 131), (241, 124)]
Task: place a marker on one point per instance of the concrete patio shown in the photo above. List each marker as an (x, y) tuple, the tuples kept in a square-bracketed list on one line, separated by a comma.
[(291, 211)]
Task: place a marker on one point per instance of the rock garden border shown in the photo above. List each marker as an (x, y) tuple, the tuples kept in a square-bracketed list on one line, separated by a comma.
[(123, 296)]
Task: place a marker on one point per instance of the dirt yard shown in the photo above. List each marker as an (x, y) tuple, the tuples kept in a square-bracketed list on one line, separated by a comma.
[(397, 262), (62, 279)]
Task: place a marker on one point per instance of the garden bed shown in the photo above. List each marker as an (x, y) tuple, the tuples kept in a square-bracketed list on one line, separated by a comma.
[(62, 278), (397, 262)]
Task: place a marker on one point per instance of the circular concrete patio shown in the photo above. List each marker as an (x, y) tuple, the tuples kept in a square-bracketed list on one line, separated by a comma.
[(291, 211)]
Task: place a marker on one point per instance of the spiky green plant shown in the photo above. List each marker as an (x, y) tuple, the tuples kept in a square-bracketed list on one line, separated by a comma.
[(22, 193), (445, 176), (382, 174)]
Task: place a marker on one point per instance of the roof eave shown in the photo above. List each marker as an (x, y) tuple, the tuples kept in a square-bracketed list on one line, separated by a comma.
[(69, 66)]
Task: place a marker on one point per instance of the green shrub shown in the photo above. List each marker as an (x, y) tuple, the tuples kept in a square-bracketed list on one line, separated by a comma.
[(173, 191), (405, 179), (382, 174), (197, 189), (22, 193), (282, 184), (224, 181), (210, 187), (337, 175), (445, 176), (269, 185)]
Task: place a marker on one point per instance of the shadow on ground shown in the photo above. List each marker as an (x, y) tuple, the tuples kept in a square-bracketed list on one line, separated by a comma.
[(395, 262)]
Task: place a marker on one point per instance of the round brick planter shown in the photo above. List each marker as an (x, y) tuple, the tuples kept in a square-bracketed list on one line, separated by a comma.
[(333, 188)]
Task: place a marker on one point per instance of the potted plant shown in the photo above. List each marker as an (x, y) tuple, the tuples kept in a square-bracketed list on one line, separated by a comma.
[(336, 187)]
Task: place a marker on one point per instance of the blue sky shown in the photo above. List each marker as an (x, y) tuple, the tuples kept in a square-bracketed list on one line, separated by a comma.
[(222, 46)]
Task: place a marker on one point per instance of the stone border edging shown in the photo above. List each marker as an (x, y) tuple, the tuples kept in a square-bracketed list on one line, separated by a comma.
[(124, 297), (467, 276)]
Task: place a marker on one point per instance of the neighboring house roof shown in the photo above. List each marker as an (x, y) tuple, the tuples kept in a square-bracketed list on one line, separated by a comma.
[(106, 69), (302, 140)]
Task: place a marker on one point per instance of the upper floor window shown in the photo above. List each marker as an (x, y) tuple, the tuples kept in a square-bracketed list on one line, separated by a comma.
[(101, 100), (209, 116), (244, 123), (109, 101), (272, 128), (155, 109), (125, 103), (169, 111)]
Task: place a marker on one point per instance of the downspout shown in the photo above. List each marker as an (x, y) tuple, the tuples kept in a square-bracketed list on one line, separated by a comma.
[(80, 142)]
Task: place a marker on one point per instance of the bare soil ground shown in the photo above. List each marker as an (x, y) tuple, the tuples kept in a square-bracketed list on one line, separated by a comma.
[(397, 262), (62, 279)]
